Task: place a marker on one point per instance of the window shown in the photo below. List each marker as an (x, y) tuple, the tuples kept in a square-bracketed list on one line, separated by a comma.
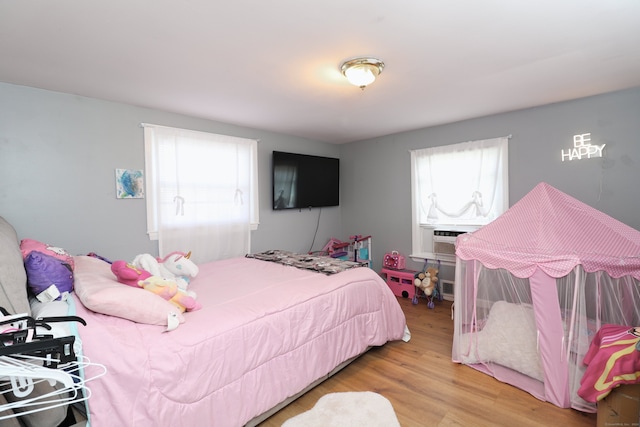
[(457, 186), (202, 192)]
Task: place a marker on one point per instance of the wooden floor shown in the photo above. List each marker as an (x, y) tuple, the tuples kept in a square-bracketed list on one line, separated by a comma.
[(427, 389)]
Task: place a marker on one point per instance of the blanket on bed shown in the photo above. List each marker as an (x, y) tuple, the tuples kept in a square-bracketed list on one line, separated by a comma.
[(321, 264), (265, 332)]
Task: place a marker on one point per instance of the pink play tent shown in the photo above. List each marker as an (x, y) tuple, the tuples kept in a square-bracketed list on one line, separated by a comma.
[(534, 286)]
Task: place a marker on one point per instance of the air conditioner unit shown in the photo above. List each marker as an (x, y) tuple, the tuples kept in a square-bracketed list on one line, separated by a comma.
[(444, 241), (440, 242)]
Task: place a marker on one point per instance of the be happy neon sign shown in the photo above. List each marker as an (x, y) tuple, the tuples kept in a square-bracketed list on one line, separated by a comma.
[(582, 148)]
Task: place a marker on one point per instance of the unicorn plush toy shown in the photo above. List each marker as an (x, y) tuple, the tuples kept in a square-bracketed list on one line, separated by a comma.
[(179, 264), (176, 266)]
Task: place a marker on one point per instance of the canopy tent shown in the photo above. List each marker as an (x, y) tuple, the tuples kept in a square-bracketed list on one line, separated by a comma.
[(560, 269), (551, 230)]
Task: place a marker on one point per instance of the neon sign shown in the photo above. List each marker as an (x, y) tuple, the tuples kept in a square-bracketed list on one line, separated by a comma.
[(582, 148)]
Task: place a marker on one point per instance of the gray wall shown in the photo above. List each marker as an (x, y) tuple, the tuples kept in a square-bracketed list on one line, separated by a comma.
[(58, 153), (376, 173)]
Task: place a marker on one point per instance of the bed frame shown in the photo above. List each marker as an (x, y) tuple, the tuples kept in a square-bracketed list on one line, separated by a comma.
[(262, 417)]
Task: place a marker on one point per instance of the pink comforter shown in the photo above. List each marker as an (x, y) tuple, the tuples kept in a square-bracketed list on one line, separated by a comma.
[(264, 333)]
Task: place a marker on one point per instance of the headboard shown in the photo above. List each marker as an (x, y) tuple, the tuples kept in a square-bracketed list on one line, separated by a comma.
[(13, 277)]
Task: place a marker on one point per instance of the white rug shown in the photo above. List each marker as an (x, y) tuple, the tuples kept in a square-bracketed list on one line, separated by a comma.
[(349, 409)]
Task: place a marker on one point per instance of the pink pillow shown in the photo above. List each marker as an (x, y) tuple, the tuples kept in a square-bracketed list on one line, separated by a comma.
[(28, 245), (98, 290)]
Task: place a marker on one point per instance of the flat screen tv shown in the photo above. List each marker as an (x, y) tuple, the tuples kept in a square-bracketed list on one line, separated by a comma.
[(304, 181)]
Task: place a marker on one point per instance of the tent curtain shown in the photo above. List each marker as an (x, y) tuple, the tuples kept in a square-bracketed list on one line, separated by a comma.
[(202, 191), (557, 346)]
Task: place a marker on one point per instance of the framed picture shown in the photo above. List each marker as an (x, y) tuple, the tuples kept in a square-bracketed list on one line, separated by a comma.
[(129, 184)]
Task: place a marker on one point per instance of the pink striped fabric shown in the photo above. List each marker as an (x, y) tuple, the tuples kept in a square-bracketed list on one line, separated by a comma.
[(551, 230)]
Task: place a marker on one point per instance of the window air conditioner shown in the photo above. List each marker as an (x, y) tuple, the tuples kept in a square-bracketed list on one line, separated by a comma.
[(444, 246), (440, 242), (444, 242)]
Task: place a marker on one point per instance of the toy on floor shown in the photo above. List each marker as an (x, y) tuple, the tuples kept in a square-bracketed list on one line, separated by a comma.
[(427, 282)]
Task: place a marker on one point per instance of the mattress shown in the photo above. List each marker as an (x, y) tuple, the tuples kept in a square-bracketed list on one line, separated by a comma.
[(264, 333)]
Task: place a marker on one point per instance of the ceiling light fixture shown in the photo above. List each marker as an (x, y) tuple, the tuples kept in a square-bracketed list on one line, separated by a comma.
[(362, 71)]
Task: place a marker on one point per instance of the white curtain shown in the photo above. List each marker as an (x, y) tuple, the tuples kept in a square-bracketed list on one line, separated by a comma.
[(200, 189), (464, 183)]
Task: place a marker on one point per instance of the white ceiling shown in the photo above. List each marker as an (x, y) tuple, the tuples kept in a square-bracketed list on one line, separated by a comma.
[(274, 64)]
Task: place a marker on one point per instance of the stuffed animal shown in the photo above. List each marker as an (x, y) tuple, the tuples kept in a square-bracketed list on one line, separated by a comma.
[(176, 266), (133, 276), (170, 291), (433, 275), (182, 268), (426, 281), (150, 263), (128, 274)]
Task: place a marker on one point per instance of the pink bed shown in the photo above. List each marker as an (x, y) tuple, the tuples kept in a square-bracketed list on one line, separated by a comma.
[(265, 333)]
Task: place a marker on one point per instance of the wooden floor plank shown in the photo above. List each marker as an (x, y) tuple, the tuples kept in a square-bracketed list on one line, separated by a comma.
[(427, 389)]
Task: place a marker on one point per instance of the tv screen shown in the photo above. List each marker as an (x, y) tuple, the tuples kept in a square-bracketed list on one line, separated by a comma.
[(304, 181)]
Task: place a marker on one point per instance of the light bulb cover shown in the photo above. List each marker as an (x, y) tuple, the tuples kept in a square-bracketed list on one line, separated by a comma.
[(362, 71)]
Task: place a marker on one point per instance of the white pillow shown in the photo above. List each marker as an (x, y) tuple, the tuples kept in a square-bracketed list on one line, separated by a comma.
[(509, 338)]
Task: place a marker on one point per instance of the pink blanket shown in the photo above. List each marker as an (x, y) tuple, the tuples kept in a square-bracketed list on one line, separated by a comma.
[(265, 332), (612, 359)]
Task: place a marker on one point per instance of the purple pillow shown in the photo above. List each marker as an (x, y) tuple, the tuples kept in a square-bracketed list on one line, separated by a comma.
[(45, 271)]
